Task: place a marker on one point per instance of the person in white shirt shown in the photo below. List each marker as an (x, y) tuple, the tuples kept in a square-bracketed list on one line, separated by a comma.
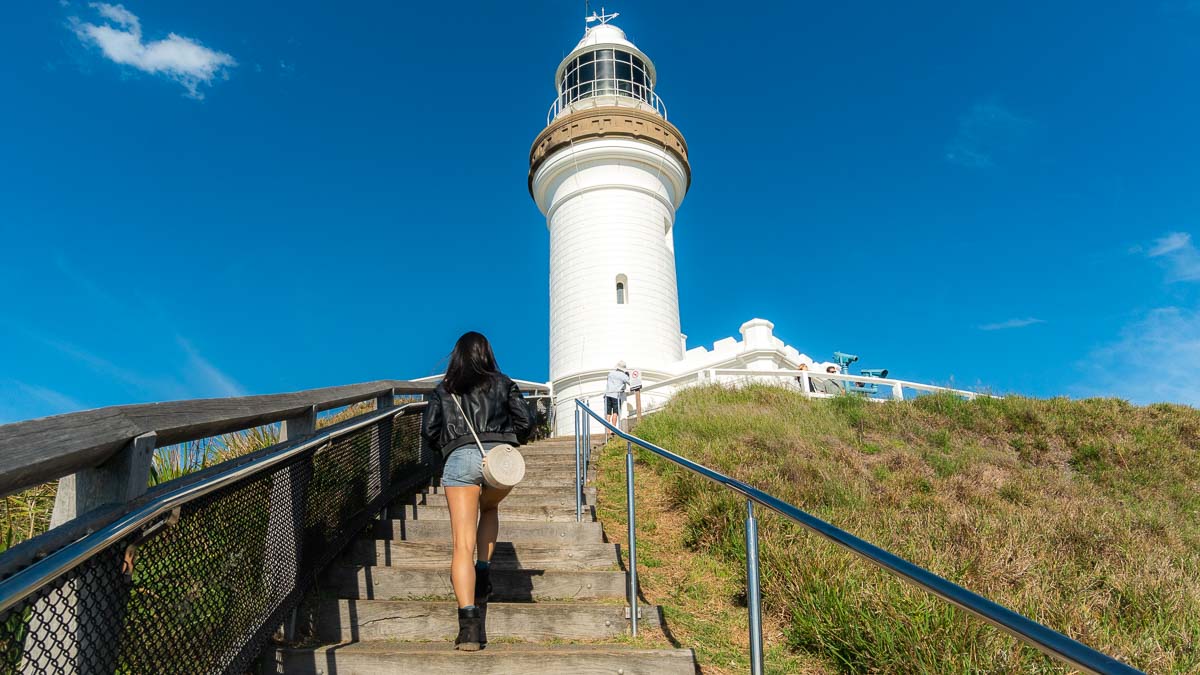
[(614, 392)]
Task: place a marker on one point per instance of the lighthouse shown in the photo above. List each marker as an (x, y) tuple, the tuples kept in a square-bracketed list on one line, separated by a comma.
[(609, 172)]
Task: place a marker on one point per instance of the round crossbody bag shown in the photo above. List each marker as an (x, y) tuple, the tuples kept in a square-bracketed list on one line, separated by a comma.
[(503, 465)]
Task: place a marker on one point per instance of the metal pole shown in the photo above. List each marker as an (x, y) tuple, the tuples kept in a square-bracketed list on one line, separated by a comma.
[(633, 601), (578, 450), (752, 595)]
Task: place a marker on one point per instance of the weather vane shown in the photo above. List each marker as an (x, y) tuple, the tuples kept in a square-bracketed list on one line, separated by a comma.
[(601, 17)]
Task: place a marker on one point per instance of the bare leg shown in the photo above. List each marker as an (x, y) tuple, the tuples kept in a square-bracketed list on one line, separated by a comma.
[(489, 521), (464, 514)]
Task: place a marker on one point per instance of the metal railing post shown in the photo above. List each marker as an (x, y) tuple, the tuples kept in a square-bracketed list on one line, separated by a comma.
[(752, 594), (633, 585), (578, 452)]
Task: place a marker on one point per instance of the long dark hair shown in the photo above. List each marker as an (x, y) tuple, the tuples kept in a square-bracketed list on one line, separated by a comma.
[(471, 363)]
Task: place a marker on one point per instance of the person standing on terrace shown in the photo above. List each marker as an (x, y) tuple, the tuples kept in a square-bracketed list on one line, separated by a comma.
[(614, 392)]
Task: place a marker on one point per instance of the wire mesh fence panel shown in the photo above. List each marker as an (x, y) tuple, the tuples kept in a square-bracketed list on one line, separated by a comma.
[(201, 588)]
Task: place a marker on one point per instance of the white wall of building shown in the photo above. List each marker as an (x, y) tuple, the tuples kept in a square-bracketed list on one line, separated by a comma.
[(610, 206)]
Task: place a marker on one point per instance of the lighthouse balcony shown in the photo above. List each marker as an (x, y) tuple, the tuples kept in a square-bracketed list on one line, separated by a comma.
[(606, 93)]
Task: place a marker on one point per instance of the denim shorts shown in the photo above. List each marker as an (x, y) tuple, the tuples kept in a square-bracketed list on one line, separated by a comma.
[(464, 466)]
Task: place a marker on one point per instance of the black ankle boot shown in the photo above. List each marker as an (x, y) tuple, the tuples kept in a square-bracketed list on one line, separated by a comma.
[(469, 624), (483, 593)]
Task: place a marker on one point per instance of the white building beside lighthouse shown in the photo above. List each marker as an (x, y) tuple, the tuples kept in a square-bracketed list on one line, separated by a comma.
[(609, 172)]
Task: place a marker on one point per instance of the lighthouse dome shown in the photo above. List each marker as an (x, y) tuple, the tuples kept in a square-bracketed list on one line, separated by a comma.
[(605, 69), (604, 34)]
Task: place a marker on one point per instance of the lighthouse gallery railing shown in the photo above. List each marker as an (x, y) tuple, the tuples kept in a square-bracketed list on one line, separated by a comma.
[(1046, 640)]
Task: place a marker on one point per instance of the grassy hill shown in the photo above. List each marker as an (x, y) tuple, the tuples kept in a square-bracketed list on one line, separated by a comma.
[(1084, 515)]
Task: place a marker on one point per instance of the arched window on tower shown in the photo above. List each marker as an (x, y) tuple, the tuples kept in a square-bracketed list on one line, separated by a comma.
[(622, 290)]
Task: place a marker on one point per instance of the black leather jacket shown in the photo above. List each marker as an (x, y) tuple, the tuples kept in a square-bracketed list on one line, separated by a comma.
[(497, 411)]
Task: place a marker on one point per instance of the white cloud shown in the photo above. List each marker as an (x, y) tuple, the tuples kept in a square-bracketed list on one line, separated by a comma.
[(178, 58), (1012, 323), (134, 382), (1179, 256), (985, 133), (118, 15), (1172, 242), (1155, 359), (27, 401), (205, 375)]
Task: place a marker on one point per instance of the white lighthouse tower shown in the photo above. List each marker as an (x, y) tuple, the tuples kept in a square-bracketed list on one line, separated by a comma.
[(609, 172)]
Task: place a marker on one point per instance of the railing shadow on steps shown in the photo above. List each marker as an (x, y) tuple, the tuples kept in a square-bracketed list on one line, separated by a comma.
[(1036, 635), (196, 574)]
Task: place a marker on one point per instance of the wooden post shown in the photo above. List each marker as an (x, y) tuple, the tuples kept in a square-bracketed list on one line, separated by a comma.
[(125, 476), (381, 446), (385, 400), (96, 599), (300, 426), (285, 517)]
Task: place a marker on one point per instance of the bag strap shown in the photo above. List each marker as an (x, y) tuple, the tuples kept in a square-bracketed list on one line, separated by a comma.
[(470, 426)]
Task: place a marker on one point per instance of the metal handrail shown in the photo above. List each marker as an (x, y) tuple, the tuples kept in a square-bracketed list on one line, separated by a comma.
[(29, 580), (1032, 633), (573, 95)]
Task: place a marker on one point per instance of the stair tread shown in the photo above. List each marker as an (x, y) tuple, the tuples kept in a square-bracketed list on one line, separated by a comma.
[(404, 646), (516, 499), (524, 531), (349, 619), (507, 555), (380, 657), (541, 513), (508, 585)]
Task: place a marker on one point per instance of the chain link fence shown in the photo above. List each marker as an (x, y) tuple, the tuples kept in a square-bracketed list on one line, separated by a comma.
[(202, 587)]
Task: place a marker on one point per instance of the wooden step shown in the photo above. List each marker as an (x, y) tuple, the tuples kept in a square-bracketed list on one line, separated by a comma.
[(550, 450), (548, 477), (565, 472), (508, 585), (565, 481), (507, 555), (559, 514), (522, 489), (527, 532), (439, 658), (567, 451), (521, 498), (551, 463), (341, 620)]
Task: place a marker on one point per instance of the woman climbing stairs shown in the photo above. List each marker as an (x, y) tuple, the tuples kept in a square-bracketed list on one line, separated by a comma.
[(558, 604)]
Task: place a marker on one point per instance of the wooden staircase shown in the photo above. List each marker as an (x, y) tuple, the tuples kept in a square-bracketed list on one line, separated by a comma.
[(558, 604)]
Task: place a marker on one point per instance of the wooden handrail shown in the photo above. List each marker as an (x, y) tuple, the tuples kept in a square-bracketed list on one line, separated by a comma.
[(41, 450)]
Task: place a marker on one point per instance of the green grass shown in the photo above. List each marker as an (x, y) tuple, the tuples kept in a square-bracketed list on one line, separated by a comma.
[(1083, 515)]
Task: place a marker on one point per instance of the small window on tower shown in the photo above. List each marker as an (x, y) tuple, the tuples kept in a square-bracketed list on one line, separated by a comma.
[(622, 290)]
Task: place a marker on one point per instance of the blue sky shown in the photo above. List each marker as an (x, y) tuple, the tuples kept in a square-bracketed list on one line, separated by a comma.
[(208, 199)]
